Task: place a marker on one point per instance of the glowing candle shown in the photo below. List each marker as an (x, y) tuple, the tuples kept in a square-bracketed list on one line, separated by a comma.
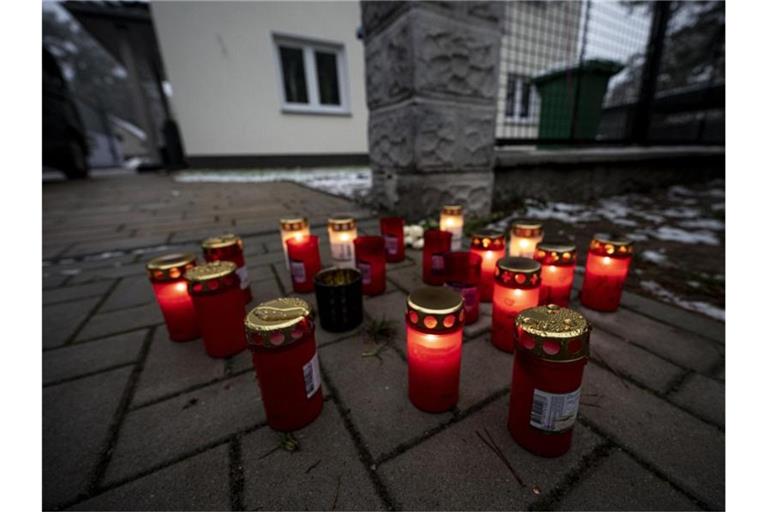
[(371, 261), (304, 257), (452, 220), (434, 323), (166, 273), (436, 244), (292, 227), (281, 336), (558, 263), (463, 270), (220, 306), (229, 247), (392, 229), (342, 231), (552, 350), (606, 270), (516, 288), (489, 245), (523, 238)]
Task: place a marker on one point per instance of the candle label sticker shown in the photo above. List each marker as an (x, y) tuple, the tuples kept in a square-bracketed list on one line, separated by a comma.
[(312, 376), (342, 251), (242, 273), (365, 269), (470, 297), (438, 263), (297, 271), (554, 412), (390, 242)]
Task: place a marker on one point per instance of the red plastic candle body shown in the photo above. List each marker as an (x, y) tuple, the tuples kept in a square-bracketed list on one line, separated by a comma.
[(489, 245), (434, 323), (304, 260), (606, 270), (392, 231), (292, 227), (220, 307), (371, 261), (281, 336), (546, 379), (516, 289), (463, 270), (229, 247), (167, 276), (558, 263), (436, 244)]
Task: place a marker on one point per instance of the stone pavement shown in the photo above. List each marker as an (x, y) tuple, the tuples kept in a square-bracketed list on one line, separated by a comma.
[(132, 420)]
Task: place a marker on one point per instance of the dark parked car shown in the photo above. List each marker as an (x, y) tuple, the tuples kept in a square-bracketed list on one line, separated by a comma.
[(65, 145)]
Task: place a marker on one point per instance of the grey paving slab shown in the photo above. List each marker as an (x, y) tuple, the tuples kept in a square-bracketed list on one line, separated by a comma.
[(53, 280), (61, 320), (407, 278), (104, 324), (265, 289), (162, 432), (703, 396), (85, 358), (454, 470), (688, 451), (76, 421), (69, 293), (115, 245), (390, 307), (375, 389), (481, 326), (200, 482), (485, 370), (620, 483), (130, 292), (325, 474), (111, 272)]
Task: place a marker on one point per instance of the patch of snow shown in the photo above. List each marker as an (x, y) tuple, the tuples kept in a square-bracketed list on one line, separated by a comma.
[(681, 212), (693, 284), (712, 224), (70, 271), (657, 257), (693, 305), (718, 207), (150, 249), (637, 237), (679, 190), (625, 222), (672, 234), (650, 217)]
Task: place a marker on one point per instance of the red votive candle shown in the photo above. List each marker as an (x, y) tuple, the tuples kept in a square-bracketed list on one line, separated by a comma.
[(553, 347), (523, 237), (436, 244), (434, 323), (558, 263), (371, 261), (516, 288), (392, 231), (463, 270), (304, 259), (606, 270), (281, 336), (489, 245), (295, 226), (220, 307), (229, 247), (166, 273)]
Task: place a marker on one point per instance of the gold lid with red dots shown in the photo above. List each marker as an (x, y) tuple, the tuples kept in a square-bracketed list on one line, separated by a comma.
[(615, 246), (214, 276), (170, 266), (488, 240), (452, 209), (222, 241), (561, 254), (278, 322), (517, 272), (435, 309), (527, 228), (296, 223), (341, 222), (553, 333)]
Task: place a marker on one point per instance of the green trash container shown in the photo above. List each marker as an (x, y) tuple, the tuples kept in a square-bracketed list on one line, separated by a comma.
[(557, 90)]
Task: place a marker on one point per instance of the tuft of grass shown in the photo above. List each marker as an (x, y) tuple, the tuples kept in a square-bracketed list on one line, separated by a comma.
[(381, 331)]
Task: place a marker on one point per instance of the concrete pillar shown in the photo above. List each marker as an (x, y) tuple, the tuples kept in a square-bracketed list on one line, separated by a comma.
[(431, 81)]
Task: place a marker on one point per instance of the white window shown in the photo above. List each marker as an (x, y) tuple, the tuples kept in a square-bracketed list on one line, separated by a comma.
[(520, 98), (312, 76)]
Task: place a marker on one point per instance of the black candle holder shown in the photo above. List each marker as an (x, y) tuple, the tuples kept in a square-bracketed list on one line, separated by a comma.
[(339, 293)]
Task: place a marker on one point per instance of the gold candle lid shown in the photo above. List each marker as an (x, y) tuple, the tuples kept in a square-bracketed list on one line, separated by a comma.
[(487, 239), (435, 309), (278, 322), (452, 209), (222, 241), (210, 270), (341, 222), (613, 245), (527, 228), (170, 266), (517, 272), (555, 253), (296, 223), (553, 333)]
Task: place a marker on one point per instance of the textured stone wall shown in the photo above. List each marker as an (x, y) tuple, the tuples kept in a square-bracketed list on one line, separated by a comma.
[(431, 80)]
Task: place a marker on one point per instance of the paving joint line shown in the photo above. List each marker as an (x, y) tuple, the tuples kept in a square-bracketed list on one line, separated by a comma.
[(88, 374), (662, 321), (92, 313), (236, 474), (110, 335), (277, 278), (677, 383)]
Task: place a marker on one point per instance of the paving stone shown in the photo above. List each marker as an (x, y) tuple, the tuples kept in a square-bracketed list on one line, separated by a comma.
[(623, 484), (284, 277), (703, 396), (685, 449), (111, 272), (264, 290), (200, 482), (390, 306), (376, 392), (159, 433), (53, 280), (407, 278), (76, 420), (326, 471), (84, 358), (129, 292), (680, 347), (481, 326), (118, 244), (454, 470), (69, 293), (61, 320), (628, 359), (121, 320), (485, 370)]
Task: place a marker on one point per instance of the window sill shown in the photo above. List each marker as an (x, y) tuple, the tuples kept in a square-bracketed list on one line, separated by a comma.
[(315, 112)]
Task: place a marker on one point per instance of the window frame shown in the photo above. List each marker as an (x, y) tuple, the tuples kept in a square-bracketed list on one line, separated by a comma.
[(519, 81), (308, 47)]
